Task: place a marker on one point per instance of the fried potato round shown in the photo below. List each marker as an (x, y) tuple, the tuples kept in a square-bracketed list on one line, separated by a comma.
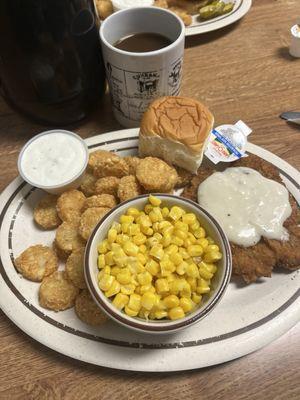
[(88, 184), (57, 292), (105, 163), (45, 213), (156, 175), (184, 177), (36, 262), (100, 200), (70, 205), (129, 187), (67, 238), (132, 163), (90, 219), (74, 268), (107, 185), (88, 311)]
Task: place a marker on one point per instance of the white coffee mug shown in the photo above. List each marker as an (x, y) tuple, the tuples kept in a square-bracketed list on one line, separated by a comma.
[(136, 79)]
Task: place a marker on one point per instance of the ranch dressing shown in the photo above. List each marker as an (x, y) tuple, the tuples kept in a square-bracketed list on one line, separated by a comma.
[(53, 158), (246, 204)]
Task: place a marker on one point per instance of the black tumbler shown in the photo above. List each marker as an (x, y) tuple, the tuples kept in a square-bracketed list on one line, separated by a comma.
[(50, 58)]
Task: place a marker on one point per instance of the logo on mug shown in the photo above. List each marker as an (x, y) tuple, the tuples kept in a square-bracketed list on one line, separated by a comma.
[(147, 83)]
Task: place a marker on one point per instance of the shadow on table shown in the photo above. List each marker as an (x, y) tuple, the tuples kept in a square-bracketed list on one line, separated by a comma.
[(283, 52), (203, 38)]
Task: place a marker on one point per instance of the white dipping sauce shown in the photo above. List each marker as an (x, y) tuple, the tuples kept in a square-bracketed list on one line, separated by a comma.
[(53, 159), (246, 204)]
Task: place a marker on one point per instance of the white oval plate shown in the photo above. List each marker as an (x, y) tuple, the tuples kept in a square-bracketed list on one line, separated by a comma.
[(247, 318), (240, 9)]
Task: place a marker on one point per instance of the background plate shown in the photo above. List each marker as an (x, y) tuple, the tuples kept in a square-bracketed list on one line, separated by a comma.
[(247, 318), (240, 9)]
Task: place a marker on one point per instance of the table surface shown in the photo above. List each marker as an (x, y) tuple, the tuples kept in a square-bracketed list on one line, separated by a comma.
[(241, 72)]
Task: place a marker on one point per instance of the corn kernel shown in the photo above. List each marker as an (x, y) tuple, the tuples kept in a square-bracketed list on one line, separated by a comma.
[(139, 239), (144, 278), (203, 243), (176, 213), (130, 248), (115, 271), (212, 256), (155, 227), (143, 249), (152, 267), (114, 289), (147, 231), (102, 247), (148, 208), (180, 234), (177, 241), (195, 250), (155, 201), (192, 282), (154, 217), (192, 271), (157, 252), (196, 298), (109, 258), (181, 226), (204, 272), (105, 282), (176, 258), (189, 218), (148, 300), (171, 301), (181, 268), (200, 233), (133, 212), (195, 225), (130, 312), (135, 302), (212, 248), (120, 301), (126, 219), (147, 288), (171, 249), (203, 289), (165, 212), (166, 240), (176, 313), (124, 277), (160, 314), (144, 221), (101, 261), (112, 235), (128, 289), (184, 254), (162, 285), (186, 304)]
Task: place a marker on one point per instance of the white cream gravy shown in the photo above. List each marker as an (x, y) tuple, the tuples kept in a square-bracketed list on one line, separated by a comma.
[(246, 204)]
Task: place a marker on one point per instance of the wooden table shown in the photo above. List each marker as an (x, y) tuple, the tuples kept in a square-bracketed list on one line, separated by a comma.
[(241, 72)]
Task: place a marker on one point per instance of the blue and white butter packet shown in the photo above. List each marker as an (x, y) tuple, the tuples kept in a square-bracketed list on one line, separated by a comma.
[(227, 143)]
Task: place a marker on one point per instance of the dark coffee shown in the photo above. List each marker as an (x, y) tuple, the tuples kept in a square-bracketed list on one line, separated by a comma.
[(142, 42)]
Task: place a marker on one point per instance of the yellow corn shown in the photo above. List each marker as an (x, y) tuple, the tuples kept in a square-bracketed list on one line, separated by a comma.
[(124, 277), (130, 248), (199, 233), (189, 218), (133, 212), (157, 252), (115, 271), (105, 282), (176, 258), (196, 298), (152, 267), (135, 302), (162, 285), (176, 213), (181, 268), (143, 249), (112, 235), (102, 247), (204, 272), (126, 219), (186, 304), (203, 243), (171, 301), (114, 289), (101, 261), (155, 201), (165, 212), (159, 314), (148, 208), (144, 278), (176, 313), (128, 289), (120, 301), (192, 271), (212, 256), (109, 258), (148, 300), (130, 312), (195, 250)]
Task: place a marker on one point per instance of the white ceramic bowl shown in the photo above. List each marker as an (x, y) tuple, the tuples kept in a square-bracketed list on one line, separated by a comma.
[(219, 282), (32, 147)]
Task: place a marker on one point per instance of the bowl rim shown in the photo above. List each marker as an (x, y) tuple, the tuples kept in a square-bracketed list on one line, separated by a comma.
[(170, 326)]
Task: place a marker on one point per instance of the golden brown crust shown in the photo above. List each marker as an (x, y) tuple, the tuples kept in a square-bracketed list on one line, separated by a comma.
[(100, 200), (108, 185), (179, 119), (132, 163), (90, 219), (75, 269), (57, 292), (88, 184), (105, 163), (156, 175), (67, 237), (45, 213), (88, 311), (70, 205), (36, 262), (129, 187)]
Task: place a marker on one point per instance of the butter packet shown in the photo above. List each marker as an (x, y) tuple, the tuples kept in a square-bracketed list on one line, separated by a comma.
[(227, 143)]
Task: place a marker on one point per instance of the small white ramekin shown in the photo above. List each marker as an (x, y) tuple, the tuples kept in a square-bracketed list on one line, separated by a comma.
[(219, 282), (61, 187)]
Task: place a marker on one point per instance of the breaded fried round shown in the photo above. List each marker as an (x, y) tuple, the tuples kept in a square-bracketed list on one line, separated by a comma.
[(190, 192), (90, 219), (108, 185), (36, 262), (184, 177), (67, 238), (74, 268), (105, 163), (132, 163), (57, 292), (100, 200), (129, 187), (88, 184), (70, 205), (156, 175), (45, 213), (88, 311)]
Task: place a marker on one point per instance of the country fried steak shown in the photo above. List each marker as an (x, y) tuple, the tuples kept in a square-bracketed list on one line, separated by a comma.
[(252, 263)]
